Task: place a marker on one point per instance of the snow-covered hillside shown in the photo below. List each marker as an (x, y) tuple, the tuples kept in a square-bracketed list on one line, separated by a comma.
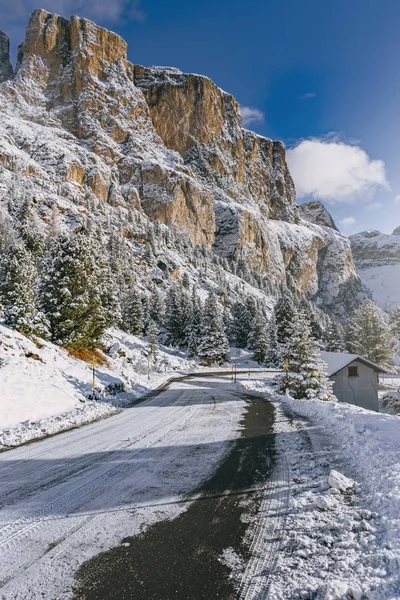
[(44, 389), (377, 259)]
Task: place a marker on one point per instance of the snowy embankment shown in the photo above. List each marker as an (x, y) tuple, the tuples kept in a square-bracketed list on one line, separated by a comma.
[(340, 542), (43, 389)]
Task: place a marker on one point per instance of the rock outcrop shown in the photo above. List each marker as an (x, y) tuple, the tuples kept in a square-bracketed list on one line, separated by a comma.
[(85, 131), (377, 260), (6, 70), (315, 212)]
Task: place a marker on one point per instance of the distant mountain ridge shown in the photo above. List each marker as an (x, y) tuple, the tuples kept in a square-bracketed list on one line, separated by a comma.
[(377, 259)]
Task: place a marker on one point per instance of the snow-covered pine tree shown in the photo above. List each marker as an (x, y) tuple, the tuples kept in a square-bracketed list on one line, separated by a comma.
[(132, 318), (395, 322), (213, 346), (243, 314), (311, 313), (178, 313), (72, 293), (273, 355), (195, 328), (8, 235), (335, 338), (307, 378), (284, 313), (18, 291), (186, 280), (368, 334), (258, 339), (157, 308), (29, 229), (152, 338)]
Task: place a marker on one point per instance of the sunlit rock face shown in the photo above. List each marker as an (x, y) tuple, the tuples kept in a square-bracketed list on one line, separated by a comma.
[(84, 130)]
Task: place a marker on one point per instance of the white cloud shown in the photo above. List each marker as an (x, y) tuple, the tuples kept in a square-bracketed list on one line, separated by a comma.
[(307, 96), (374, 206), (397, 199), (251, 115), (334, 171), (347, 221)]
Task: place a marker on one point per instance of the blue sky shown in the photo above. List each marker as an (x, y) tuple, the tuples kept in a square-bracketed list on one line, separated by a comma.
[(322, 76)]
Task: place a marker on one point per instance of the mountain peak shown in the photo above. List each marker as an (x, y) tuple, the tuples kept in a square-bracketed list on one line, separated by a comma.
[(6, 70)]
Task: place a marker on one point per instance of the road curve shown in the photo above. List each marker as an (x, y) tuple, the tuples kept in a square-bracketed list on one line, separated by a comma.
[(67, 502)]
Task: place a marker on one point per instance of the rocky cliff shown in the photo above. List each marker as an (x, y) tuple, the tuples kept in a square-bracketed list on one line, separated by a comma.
[(85, 131), (377, 259), (6, 70)]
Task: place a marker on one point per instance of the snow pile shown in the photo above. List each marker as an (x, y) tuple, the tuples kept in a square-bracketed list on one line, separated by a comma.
[(390, 403), (44, 389), (342, 535)]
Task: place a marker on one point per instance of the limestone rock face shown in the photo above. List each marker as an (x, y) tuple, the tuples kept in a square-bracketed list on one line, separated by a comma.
[(203, 123), (6, 70), (377, 260), (315, 212), (88, 134)]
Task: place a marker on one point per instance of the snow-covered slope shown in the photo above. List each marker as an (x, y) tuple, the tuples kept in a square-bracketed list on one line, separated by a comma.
[(377, 259), (44, 389)]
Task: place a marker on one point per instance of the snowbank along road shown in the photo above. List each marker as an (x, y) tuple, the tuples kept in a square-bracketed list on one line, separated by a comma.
[(206, 490)]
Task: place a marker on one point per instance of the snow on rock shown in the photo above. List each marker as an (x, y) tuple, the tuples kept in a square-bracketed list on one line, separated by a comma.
[(340, 482), (44, 389)]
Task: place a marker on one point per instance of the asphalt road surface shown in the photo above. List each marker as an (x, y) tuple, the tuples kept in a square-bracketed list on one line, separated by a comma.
[(161, 501)]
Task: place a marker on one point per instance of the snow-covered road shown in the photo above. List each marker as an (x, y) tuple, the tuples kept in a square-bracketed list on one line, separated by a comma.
[(69, 497), (205, 482)]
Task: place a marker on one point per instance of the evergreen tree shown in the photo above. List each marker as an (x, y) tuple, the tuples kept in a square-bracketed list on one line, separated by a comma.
[(243, 315), (395, 322), (152, 338), (186, 281), (132, 313), (258, 339), (195, 329), (8, 235), (178, 314), (306, 376), (19, 280), (368, 334), (213, 347), (74, 293), (146, 318), (284, 313), (157, 308), (29, 229), (273, 355), (335, 341), (313, 317)]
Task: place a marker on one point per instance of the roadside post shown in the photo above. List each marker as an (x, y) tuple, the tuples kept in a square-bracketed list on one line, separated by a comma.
[(287, 376), (93, 376), (248, 364)]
